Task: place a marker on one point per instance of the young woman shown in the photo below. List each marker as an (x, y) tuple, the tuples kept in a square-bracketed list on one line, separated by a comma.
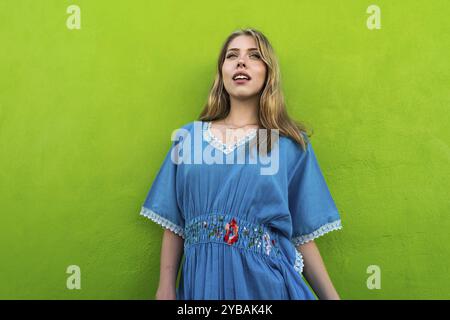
[(244, 234)]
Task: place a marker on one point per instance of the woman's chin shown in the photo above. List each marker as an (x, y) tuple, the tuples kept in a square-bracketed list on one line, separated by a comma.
[(243, 94)]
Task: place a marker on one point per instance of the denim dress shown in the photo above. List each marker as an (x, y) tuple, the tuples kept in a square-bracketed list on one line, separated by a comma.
[(240, 224)]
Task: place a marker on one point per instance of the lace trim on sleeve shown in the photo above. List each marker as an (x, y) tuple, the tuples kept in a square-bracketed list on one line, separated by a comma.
[(335, 225), (162, 221), (298, 265)]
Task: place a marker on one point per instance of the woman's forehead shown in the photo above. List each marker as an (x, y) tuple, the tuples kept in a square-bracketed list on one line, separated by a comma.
[(242, 42)]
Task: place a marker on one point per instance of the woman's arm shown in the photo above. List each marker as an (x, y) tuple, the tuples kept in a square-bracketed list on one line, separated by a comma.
[(315, 272), (171, 254)]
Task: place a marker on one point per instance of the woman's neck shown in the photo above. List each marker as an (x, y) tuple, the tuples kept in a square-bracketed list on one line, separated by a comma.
[(243, 112)]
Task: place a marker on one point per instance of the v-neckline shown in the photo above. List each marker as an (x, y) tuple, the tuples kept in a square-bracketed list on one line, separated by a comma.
[(219, 144)]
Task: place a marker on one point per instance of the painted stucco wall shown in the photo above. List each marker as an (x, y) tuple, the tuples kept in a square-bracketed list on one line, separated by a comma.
[(86, 116)]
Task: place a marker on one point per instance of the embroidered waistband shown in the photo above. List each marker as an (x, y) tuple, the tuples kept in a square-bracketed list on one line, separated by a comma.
[(233, 231)]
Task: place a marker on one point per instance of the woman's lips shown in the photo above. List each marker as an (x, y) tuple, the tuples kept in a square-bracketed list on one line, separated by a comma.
[(241, 81)]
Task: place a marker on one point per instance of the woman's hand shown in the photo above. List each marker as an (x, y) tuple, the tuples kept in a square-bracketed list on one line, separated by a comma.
[(315, 272), (165, 294)]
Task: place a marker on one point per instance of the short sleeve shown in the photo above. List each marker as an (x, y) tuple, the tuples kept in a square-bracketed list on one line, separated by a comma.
[(311, 205), (161, 204)]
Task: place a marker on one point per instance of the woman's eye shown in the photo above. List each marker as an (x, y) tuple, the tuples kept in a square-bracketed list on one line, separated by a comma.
[(252, 55)]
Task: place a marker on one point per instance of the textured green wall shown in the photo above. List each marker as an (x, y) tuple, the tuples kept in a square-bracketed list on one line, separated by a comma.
[(85, 119)]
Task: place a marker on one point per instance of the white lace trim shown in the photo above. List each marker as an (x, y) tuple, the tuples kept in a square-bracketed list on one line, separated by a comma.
[(335, 225), (215, 142), (298, 265), (162, 221)]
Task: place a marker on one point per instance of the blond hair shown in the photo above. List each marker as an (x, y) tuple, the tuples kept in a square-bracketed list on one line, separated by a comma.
[(272, 113)]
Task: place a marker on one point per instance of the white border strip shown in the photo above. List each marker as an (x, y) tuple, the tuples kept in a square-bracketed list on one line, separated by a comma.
[(155, 217), (335, 225)]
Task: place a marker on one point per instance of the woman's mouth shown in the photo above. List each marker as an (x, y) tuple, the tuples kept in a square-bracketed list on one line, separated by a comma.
[(241, 79)]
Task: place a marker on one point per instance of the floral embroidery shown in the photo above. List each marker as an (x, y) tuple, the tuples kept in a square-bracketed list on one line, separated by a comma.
[(231, 230), (267, 242), (231, 227)]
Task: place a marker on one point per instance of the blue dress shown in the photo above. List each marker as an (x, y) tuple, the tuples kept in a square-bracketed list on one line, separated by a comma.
[(240, 226)]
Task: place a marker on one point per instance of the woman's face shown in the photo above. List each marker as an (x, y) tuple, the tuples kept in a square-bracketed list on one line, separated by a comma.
[(243, 56)]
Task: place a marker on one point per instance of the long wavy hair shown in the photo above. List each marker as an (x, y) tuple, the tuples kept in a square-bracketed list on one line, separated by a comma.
[(272, 113)]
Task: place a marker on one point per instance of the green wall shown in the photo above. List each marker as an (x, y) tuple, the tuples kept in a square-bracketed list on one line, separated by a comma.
[(86, 114)]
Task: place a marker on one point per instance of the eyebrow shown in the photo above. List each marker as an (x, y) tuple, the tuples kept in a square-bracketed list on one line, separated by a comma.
[(237, 49)]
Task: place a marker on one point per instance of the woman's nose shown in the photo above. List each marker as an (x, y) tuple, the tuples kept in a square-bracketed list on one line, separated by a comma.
[(241, 62)]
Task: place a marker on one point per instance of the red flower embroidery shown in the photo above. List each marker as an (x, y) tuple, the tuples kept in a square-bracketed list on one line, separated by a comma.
[(231, 227)]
